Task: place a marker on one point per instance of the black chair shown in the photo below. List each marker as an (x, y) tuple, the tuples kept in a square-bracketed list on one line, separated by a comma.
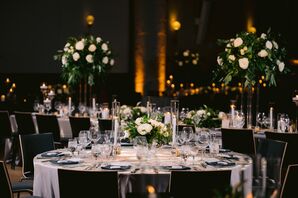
[(31, 145), (8, 188), (78, 124), (292, 148), (289, 187), (50, 124), (93, 183), (239, 140), (180, 127), (199, 183), (25, 122), (273, 151), (5, 133), (104, 124)]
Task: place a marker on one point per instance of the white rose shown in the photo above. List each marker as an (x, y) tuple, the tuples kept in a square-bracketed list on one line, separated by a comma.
[(105, 60), (64, 60), (275, 44), (92, 48), (104, 47), (263, 53), (231, 57), (219, 61), (242, 51), (89, 58), (76, 56), (201, 113), (268, 45), (143, 129), (139, 121), (237, 42), (281, 65), (66, 47), (98, 39), (79, 45), (112, 62), (222, 115), (263, 36), (228, 45), (243, 63)]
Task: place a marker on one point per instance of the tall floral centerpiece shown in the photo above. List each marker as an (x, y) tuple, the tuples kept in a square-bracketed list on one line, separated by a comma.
[(84, 59), (247, 57)]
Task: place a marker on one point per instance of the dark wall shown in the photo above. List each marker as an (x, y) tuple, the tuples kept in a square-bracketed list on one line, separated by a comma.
[(32, 31)]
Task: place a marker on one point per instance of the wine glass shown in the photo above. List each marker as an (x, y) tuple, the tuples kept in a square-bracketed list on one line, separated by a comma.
[(140, 146), (72, 145), (203, 140), (94, 135)]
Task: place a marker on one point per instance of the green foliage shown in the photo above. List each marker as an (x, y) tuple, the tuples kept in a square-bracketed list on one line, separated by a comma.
[(84, 58), (247, 57)]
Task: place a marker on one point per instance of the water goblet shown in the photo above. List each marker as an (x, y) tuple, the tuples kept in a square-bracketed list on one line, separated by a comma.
[(72, 145)]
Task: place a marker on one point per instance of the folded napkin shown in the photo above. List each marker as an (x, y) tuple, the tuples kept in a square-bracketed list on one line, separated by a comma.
[(176, 167), (52, 154), (116, 166), (220, 163), (67, 161)]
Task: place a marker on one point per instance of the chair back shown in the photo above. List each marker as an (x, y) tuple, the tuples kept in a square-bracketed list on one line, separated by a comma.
[(180, 127), (289, 187), (25, 122), (48, 124), (239, 140), (104, 124), (5, 125), (78, 124), (106, 183), (274, 151), (203, 183), (6, 190), (292, 148), (31, 145)]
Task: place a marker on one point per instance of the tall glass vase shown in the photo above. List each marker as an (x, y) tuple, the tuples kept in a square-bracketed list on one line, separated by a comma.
[(249, 107)]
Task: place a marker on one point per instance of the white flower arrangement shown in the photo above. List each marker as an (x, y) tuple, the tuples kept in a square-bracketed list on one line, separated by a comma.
[(85, 58), (248, 57)]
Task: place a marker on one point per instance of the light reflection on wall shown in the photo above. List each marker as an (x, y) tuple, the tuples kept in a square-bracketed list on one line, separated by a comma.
[(161, 50)]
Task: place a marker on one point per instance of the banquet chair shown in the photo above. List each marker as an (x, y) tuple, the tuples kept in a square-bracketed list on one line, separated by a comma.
[(5, 134), (49, 123), (8, 188), (31, 145), (180, 127), (239, 140), (106, 183), (78, 124), (273, 151), (104, 124), (289, 187), (203, 183), (292, 147), (25, 122)]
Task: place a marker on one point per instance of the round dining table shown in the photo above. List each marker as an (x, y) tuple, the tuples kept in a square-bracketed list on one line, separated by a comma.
[(135, 175)]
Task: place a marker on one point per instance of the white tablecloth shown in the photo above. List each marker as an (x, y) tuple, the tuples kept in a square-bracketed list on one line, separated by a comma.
[(46, 174), (64, 124)]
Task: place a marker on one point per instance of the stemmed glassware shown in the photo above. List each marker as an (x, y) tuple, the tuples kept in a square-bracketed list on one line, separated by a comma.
[(202, 140), (72, 145), (140, 146)]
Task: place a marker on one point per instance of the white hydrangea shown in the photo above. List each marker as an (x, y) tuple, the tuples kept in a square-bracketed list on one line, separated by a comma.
[(92, 48), (243, 63), (263, 53), (144, 129), (238, 42), (76, 56), (80, 45), (98, 39), (89, 58), (222, 115)]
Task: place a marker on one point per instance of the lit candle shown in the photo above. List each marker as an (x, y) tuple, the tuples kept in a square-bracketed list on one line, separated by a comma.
[(7, 80), (69, 105), (167, 119), (51, 93), (13, 85), (47, 101), (93, 104), (43, 86), (271, 118), (116, 129), (233, 111), (105, 113)]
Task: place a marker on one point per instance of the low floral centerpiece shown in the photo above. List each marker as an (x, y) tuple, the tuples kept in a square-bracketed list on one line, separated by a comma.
[(205, 117), (152, 129), (85, 58)]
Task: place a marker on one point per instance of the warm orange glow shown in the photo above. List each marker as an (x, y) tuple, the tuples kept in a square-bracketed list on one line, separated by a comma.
[(250, 25), (64, 86), (176, 25), (260, 81), (213, 84), (222, 84), (10, 90), (168, 82), (90, 20), (13, 85), (239, 84), (264, 85), (2, 98), (294, 61), (181, 85), (191, 85), (7, 80), (139, 74), (161, 59), (171, 77), (262, 77), (173, 86), (150, 189)]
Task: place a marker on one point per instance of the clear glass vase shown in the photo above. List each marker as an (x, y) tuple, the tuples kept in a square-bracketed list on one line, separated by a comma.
[(249, 107)]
